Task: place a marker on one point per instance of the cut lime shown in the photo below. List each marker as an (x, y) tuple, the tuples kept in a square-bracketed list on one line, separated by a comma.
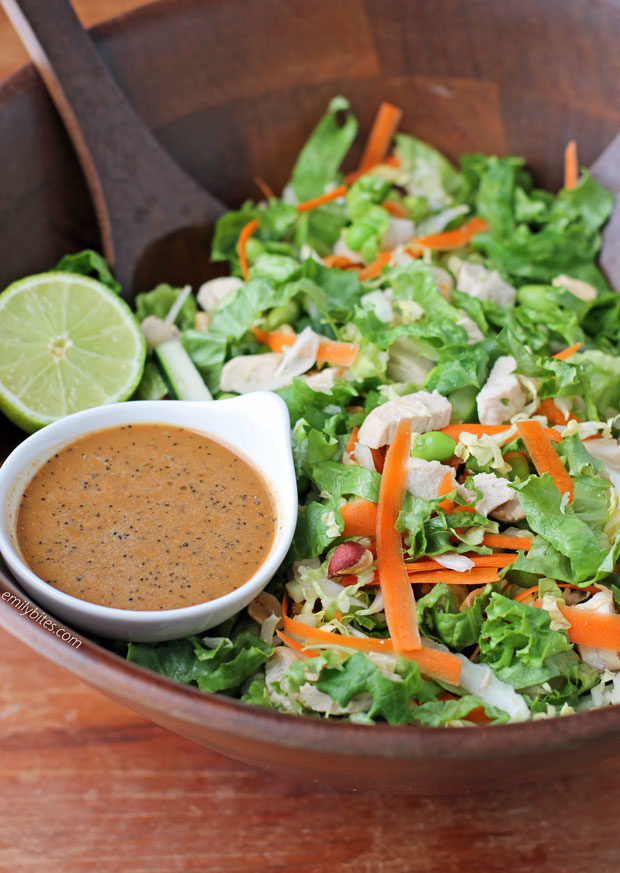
[(66, 343)]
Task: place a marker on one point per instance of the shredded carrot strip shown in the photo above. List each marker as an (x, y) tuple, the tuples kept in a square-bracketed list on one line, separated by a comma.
[(592, 628), (445, 487), (400, 610), (373, 270), (476, 576), (244, 236), (352, 440), (544, 457), (335, 352), (498, 560), (330, 351), (567, 353), (432, 662), (453, 239), (391, 161), (419, 575), (378, 459), (264, 188), (394, 209), (308, 205), (340, 262), (297, 647), (383, 129), (571, 165), (455, 430), (501, 541), (523, 595), (360, 518), (553, 415)]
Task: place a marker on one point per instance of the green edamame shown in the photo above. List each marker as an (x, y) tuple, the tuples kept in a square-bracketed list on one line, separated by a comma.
[(433, 446)]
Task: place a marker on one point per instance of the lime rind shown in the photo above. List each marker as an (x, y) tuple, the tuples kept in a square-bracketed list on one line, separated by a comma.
[(67, 342)]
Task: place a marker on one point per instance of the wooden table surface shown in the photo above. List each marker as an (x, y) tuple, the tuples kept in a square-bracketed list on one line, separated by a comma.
[(87, 786)]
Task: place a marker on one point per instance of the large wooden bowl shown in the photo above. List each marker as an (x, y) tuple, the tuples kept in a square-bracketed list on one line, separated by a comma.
[(232, 89)]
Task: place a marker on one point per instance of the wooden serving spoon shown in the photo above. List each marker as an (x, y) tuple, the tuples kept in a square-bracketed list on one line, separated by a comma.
[(155, 221)]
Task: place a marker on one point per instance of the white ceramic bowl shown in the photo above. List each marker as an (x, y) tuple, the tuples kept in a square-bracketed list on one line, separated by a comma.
[(254, 426)]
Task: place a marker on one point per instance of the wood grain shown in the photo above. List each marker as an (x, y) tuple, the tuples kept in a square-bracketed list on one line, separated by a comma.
[(87, 784), (13, 54)]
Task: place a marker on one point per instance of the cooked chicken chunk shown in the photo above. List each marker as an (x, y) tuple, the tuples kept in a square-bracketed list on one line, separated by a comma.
[(474, 334), (399, 232), (501, 396), (578, 287), (426, 411), (476, 281), (607, 451), (212, 292), (272, 370), (499, 499), (424, 479)]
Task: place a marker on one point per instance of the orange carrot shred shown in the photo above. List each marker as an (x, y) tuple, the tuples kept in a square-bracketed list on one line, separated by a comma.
[(551, 412), (571, 165), (594, 629), (544, 457), (352, 440), (383, 129), (360, 518), (394, 209), (432, 662), (244, 236), (452, 239), (501, 541), (567, 353), (297, 647), (374, 269), (264, 188), (445, 487), (340, 262), (308, 205), (523, 595), (400, 610), (330, 351)]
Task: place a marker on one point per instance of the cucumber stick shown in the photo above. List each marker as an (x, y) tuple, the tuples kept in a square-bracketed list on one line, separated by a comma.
[(180, 372)]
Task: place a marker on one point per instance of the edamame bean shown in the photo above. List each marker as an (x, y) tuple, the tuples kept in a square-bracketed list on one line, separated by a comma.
[(433, 446), (285, 314), (519, 467)]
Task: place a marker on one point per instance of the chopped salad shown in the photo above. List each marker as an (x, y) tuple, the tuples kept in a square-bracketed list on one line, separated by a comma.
[(448, 350)]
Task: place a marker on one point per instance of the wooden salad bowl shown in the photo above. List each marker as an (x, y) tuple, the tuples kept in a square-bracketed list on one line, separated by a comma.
[(232, 90)]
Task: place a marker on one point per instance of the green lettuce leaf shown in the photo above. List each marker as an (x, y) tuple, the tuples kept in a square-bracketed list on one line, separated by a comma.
[(223, 668), (207, 351), (319, 160), (159, 302), (89, 263), (440, 619)]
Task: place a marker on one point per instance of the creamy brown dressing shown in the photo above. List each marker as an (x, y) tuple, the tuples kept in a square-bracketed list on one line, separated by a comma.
[(146, 516)]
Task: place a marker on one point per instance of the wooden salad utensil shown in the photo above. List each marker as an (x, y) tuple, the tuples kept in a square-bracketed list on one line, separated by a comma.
[(155, 221), (606, 168)]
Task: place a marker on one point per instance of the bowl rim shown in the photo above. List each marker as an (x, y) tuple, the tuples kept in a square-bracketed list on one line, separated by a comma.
[(223, 714)]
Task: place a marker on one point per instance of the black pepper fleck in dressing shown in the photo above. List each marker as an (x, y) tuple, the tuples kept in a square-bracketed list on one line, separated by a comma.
[(146, 517)]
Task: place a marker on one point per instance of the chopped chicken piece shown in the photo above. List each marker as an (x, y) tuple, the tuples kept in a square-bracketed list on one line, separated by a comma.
[(600, 659), (499, 498), (212, 292), (272, 370), (424, 479), (476, 281), (426, 411), (578, 287), (474, 334), (399, 232), (607, 451), (324, 380), (501, 396)]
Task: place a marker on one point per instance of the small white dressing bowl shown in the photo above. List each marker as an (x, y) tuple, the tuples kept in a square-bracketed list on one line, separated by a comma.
[(254, 426)]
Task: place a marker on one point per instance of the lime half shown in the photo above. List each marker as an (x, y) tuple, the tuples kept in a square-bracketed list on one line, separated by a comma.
[(66, 343)]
